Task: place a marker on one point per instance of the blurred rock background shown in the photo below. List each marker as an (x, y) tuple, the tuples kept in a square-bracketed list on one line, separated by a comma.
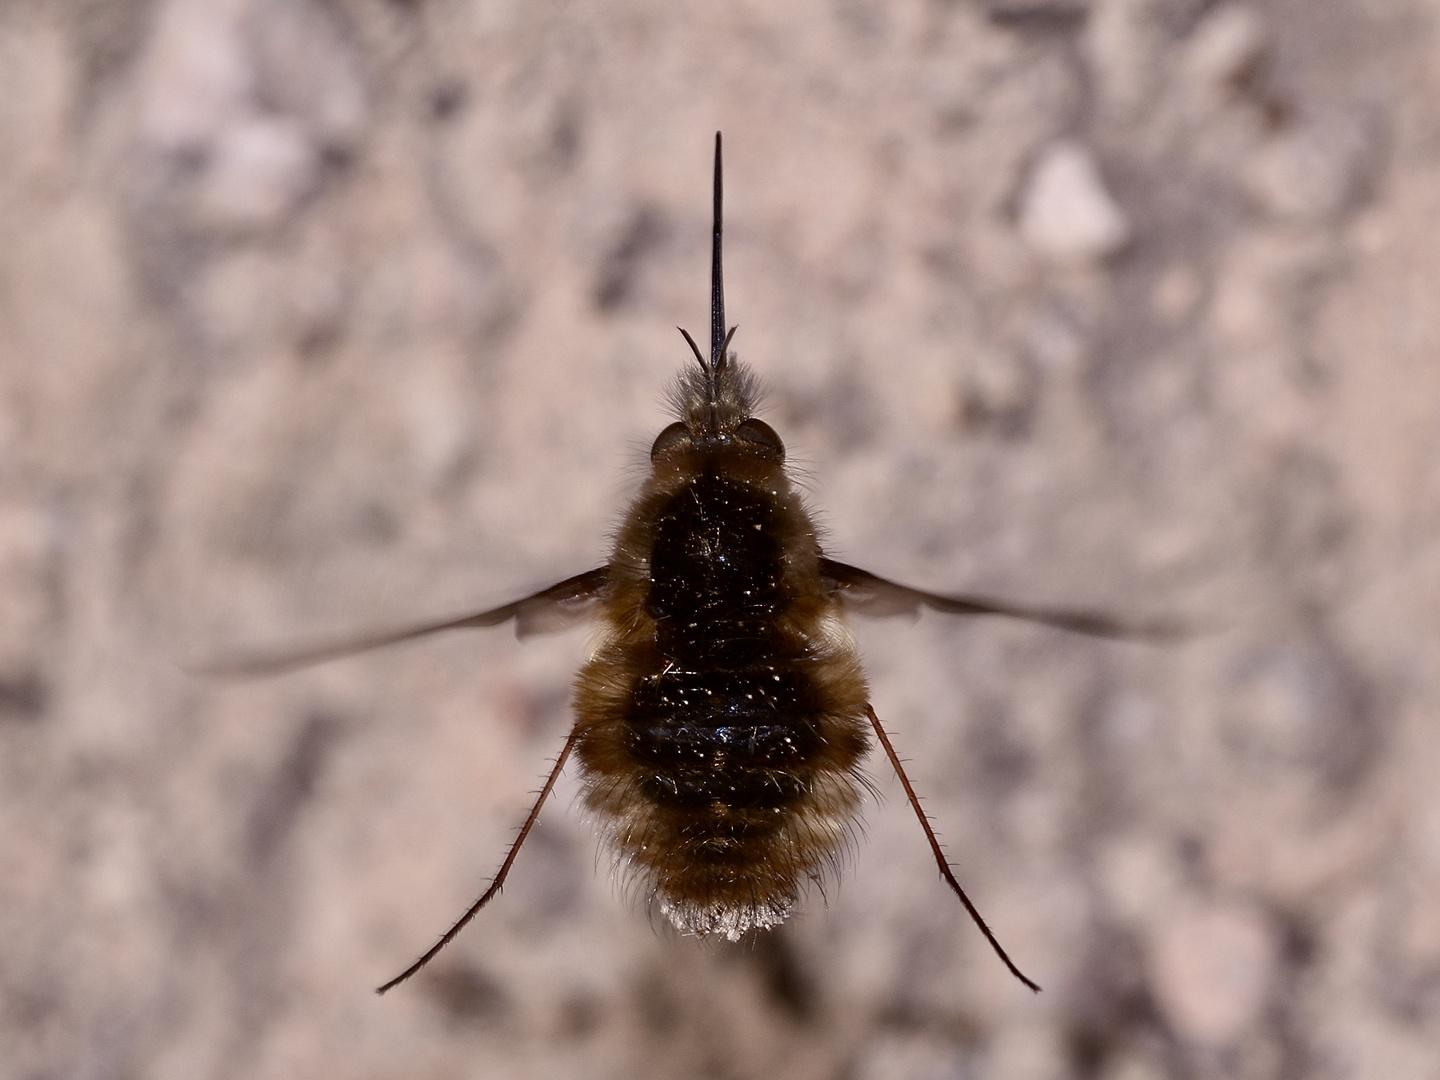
[(322, 315)]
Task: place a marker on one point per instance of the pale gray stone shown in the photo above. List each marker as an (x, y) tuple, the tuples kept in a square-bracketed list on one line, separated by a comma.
[(1214, 969), (1065, 212)]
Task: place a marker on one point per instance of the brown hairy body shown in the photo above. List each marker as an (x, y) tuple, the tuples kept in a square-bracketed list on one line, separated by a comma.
[(722, 717)]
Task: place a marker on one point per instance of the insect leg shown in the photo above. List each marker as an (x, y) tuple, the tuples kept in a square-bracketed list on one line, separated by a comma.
[(499, 881), (945, 871)]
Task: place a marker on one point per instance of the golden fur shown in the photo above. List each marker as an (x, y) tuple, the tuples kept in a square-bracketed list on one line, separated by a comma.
[(761, 884)]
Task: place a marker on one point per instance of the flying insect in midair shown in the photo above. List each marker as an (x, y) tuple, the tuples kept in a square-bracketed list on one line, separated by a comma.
[(723, 715)]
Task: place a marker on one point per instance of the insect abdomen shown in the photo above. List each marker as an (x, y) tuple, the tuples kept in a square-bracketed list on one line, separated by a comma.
[(733, 739), (728, 764)]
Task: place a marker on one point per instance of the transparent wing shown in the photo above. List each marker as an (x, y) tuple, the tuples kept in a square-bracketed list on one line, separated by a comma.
[(865, 593), (560, 606)]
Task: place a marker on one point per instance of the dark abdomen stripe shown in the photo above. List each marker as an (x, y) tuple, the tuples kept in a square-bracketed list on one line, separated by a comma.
[(724, 721), (732, 737)]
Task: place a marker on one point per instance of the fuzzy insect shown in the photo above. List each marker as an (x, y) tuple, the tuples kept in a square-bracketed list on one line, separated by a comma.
[(723, 715)]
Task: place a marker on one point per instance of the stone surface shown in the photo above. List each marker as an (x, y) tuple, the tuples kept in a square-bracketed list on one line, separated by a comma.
[(1225, 48), (325, 315), (1214, 970), (1065, 212)]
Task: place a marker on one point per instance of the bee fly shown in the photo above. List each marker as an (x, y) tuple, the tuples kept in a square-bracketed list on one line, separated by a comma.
[(723, 715)]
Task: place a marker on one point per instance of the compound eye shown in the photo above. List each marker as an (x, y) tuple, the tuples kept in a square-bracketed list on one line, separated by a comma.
[(671, 437), (761, 436)]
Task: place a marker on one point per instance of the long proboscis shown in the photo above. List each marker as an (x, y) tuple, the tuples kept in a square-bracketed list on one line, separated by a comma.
[(719, 337)]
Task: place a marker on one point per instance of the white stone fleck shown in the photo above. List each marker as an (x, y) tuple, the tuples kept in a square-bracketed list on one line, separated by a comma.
[(258, 172), (1213, 969), (1066, 214)]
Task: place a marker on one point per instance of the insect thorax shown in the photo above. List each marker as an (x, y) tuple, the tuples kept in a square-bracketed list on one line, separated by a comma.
[(722, 716)]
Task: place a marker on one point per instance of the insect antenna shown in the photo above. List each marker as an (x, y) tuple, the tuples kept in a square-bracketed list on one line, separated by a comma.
[(500, 876), (945, 870)]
